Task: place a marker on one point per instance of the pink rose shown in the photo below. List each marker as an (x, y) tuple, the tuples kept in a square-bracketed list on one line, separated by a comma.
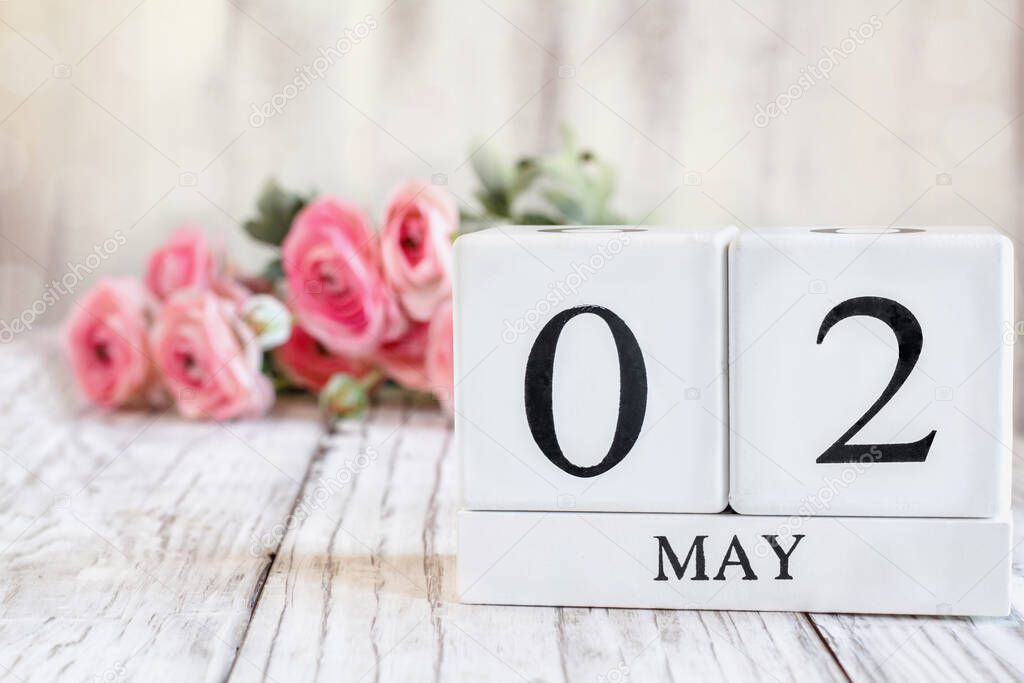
[(416, 246), (185, 260), (403, 359), (309, 365), (440, 357), (335, 286), (232, 291), (106, 342), (209, 359)]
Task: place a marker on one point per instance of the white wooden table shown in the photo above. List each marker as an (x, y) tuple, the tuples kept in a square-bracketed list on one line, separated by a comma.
[(141, 547)]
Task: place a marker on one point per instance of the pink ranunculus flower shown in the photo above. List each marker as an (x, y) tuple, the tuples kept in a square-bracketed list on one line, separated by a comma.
[(209, 359), (335, 287), (416, 246), (440, 357), (398, 323), (186, 260), (106, 342), (306, 363), (231, 290), (403, 359)]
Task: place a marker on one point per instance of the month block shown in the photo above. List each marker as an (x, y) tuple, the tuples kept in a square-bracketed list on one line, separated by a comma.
[(731, 561), (870, 371), (590, 368)]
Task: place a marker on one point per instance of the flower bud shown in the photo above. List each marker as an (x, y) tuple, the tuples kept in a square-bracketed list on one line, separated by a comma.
[(344, 396), (269, 320)]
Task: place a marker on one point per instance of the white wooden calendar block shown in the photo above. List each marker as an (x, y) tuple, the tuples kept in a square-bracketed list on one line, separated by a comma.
[(737, 562), (871, 372), (589, 366)]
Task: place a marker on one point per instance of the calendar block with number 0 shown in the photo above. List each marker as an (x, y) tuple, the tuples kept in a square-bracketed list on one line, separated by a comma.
[(591, 368)]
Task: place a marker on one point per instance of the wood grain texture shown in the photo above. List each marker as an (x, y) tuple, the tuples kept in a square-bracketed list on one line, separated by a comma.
[(129, 542)]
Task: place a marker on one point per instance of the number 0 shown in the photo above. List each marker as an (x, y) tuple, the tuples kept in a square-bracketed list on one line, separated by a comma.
[(632, 391)]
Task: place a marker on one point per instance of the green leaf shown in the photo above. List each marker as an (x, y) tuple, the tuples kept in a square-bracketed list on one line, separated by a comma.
[(274, 271), (526, 172), (277, 378), (490, 169), (276, 209), (569, 207), (570, 186), (496, 205), (600, 178), (533, 218)]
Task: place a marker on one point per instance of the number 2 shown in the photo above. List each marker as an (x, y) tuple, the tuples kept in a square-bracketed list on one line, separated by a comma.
[(910, 341)]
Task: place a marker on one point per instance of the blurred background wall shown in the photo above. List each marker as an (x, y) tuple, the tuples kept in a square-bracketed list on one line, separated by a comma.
[(120, 119)]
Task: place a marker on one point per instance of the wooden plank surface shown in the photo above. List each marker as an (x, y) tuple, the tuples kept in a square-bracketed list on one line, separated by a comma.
[(127, 540), (139, 547)]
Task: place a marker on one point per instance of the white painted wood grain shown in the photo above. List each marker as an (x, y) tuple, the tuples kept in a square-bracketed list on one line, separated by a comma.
[(351, 593), (127, 540)]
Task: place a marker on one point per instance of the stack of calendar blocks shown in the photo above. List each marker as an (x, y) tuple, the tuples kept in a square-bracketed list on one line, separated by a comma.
[(774, 419)]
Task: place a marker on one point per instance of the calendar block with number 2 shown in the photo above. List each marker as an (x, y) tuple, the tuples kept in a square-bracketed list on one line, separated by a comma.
[(871, 372), (845, 391)]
